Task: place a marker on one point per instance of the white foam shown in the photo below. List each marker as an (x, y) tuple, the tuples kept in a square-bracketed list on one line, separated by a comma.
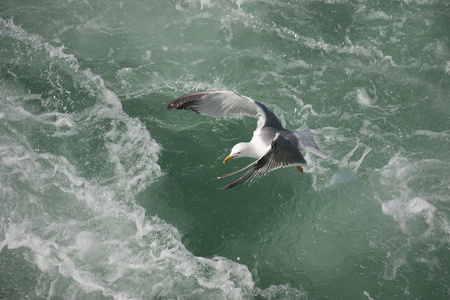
[(85, 232), (284, 291), (394, 265), (203, 3), (363, 97), (402, 211), (367, 295), (417, 212), (377, 15), (64, 122), (348, 167), (118, 238), (443, 134)]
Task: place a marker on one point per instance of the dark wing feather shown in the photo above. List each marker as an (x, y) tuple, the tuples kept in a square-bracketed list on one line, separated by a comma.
[(187, 102), (224, 103), (283, 153)]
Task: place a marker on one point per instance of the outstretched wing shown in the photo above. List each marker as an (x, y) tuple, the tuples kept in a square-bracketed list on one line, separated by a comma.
[(223, 103), (217, 104), (282, 153)]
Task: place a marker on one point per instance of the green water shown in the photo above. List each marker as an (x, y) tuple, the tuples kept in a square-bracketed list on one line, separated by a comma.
[(104, 194)]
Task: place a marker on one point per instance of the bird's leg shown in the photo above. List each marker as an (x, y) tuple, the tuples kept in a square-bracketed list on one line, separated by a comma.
[(299, 168)]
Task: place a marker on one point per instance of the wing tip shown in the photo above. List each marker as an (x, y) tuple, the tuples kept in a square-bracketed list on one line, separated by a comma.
[(170, 106), (187, 102)]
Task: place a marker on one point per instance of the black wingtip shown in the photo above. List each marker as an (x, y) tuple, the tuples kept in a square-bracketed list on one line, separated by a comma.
[(187, 102), (224, 188)]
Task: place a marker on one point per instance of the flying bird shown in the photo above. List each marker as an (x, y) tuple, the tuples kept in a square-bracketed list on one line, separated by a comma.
[(273, 146)]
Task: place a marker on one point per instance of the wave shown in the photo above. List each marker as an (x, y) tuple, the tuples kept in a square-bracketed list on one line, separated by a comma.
[(72, 163)]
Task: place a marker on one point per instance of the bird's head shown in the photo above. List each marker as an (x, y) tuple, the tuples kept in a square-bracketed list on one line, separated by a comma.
[(239, 150)]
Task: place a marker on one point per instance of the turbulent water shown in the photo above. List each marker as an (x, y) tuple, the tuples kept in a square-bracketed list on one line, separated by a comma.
[(104, 194)]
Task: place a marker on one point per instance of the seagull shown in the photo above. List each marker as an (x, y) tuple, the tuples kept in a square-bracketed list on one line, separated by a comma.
[(273, 146)]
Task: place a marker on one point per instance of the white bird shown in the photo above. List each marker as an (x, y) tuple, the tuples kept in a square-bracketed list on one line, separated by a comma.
[(272, 145)]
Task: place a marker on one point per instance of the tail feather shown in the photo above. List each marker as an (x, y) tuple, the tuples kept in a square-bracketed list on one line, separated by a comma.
[(307, 142)]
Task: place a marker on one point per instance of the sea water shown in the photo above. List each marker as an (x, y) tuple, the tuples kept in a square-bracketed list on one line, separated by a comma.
[(104, 194)]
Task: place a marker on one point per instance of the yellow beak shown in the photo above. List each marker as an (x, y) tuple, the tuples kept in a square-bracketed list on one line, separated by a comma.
[(228, 158)]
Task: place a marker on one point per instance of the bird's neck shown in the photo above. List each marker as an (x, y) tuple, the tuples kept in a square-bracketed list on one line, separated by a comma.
[(252, 151)]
